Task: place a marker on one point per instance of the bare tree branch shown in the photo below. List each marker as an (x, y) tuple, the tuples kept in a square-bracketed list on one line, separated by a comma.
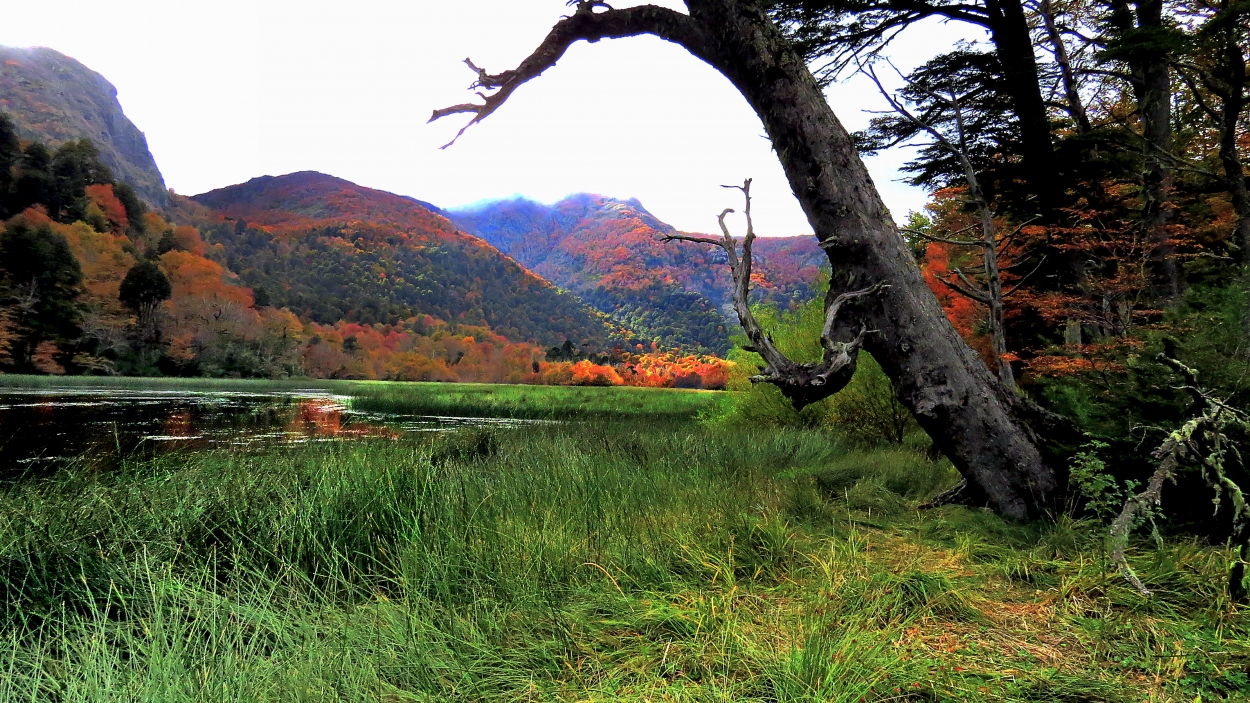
[(1004, 242), (834, 350), (1202, 440), (1145, 502), (1196, 94), (585, 24), (958, 242), (1027, 276), (965, 279), (966, 292), (687, 238), (1018, 264)]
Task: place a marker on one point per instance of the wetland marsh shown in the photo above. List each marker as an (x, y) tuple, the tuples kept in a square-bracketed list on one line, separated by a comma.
[(657, 554)]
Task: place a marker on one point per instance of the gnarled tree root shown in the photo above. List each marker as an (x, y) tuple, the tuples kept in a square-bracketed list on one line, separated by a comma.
[(962, 493)]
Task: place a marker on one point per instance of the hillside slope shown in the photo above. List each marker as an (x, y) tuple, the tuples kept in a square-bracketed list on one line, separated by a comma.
[(610, 252), (54, 99), (331, 250)]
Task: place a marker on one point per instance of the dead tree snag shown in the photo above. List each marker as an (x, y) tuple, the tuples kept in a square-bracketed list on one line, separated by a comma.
[(801, 384)]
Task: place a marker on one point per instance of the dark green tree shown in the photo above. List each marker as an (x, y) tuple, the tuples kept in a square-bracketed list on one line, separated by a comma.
[(832, 34), (165, 245), (564, 352), (144, 287), (40, 280), (10, 153), (993, 135), (58, 181), (135, 209), (143, 290), (34, 183), (75, 166)]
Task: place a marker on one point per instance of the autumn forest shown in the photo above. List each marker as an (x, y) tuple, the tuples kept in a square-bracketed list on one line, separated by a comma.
[(305, 275)]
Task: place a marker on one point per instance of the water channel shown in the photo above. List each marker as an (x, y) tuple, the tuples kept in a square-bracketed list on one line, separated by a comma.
[(43, 428)]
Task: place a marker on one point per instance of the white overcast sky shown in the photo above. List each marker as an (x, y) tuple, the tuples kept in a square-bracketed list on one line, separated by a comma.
[(232, 89)]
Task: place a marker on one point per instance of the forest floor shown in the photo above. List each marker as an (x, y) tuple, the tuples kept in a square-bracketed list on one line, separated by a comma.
[(632, 557)]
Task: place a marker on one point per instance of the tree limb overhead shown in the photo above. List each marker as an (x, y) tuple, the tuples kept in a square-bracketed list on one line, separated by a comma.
[(585, 24)]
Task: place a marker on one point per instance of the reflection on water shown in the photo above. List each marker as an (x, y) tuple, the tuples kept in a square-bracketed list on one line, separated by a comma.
[(41, 428)]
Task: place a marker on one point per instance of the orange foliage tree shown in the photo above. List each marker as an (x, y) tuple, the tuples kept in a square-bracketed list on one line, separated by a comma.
[(114, 213)]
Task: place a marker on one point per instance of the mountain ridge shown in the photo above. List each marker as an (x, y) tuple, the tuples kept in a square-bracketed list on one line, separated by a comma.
[(596, 267), (611, 252), (330, 249)]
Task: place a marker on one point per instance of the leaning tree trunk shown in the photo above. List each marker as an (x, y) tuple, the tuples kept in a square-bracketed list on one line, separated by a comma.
[(935, 373), (953, 395), (1155, 107), (1071, 91), (1235, 178)]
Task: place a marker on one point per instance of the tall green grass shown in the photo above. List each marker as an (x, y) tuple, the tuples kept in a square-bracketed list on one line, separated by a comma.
[(612, 560), (461, 568), (540, 402)]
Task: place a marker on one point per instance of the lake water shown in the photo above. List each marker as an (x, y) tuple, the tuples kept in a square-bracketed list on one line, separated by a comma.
[(40, 429)]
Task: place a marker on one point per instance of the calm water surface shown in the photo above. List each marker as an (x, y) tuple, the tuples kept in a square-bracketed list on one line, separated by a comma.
[(40, 429)]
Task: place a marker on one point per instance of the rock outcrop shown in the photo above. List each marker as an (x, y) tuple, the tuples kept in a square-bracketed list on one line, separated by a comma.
[(55, 99)]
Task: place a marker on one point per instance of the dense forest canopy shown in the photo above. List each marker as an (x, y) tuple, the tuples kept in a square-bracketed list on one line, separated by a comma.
[(1146, 241), (1087, 166)]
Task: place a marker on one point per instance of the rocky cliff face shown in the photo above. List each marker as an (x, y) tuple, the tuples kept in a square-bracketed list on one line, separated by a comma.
[(53, 98)]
